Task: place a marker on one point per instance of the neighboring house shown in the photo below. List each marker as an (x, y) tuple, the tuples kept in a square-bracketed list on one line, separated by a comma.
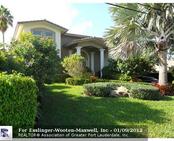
[(92, 48)]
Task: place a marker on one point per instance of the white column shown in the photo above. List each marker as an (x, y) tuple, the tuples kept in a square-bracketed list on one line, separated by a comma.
[(87, 62), (101, 60), (58, 43), (92, 62), (70, 52), (78, 50)]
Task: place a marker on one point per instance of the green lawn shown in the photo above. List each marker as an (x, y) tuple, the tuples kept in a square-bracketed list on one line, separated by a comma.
[(65, 105)]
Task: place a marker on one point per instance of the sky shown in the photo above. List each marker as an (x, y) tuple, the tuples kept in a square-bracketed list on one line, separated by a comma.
[(79, 17)]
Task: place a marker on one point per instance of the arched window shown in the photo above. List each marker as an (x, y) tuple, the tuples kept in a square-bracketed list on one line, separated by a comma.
[(43, 33)]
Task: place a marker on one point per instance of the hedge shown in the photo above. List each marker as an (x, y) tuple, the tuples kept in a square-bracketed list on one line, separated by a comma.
[(18, 98), (99, 89), (76, 81), (147, 94), (136, 90)]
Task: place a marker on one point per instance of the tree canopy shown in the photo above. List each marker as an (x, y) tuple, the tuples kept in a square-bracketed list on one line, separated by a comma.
[(141, 26)]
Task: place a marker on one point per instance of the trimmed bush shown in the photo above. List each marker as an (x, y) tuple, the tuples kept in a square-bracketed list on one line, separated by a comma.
[(99, 89), (136, 90), (77, 81), (142, 90), (102, 80), (18, 98), (145, 93)]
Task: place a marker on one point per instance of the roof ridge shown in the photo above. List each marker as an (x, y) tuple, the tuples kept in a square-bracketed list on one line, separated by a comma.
[(43, 20)]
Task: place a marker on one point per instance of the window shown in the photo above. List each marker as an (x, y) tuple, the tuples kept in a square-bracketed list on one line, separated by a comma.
[(43, 33)]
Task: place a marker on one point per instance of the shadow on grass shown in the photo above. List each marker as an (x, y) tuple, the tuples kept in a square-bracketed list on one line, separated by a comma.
[(62, 109), (60, 87), (167, 98)]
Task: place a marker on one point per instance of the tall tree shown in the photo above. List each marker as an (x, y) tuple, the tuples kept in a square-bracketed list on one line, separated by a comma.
[(125, 37), (156, 22), (5, 19)]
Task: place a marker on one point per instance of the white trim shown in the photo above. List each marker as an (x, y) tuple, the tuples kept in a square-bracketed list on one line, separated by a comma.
[(101, 60), (58, 43), (78, 50)]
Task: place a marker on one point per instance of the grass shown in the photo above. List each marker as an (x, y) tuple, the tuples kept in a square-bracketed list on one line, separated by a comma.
[(65, 105)]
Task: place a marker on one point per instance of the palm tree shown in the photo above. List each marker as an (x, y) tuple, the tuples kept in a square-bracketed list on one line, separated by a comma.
[(161, 22), (125, 37), (154, 24), (5, 19)]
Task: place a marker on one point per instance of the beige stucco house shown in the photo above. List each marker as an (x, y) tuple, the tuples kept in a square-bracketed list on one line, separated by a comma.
[(92, 48)]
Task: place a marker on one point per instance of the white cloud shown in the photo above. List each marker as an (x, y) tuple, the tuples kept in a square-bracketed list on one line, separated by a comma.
[(82, 28), (60, 12)]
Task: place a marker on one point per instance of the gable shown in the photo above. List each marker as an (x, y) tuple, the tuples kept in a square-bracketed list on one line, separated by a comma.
[(41, 28), (27, 26)]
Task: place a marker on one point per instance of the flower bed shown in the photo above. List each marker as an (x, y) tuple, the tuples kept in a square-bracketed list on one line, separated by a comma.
[(165, 89)]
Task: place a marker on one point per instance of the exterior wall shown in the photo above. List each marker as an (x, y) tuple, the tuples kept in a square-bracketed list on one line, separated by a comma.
[(65, 39), (65, 51), (18, 32), (27, 27)]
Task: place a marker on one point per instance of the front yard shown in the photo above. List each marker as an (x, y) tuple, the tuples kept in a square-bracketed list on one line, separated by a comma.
[(65, 105)]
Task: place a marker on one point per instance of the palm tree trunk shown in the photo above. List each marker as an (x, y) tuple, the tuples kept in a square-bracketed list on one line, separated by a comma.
[(162, 67)]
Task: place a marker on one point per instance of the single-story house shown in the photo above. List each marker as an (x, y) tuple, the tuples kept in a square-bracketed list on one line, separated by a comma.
[(93, 49)]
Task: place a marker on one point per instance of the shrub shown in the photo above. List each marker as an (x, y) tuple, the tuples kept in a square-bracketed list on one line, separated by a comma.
[(106, 72), (165, 89), (125, 77), (40, 57), (97, 89), (109, 80), (134, 65), (74, 65), (102, 80), (143, 90), (100, 89), (137, 65), (61, 77), (18, 98), (135, 90), (145, 93), (9, 62), (77, 81), (111, 70), (93, 79)]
